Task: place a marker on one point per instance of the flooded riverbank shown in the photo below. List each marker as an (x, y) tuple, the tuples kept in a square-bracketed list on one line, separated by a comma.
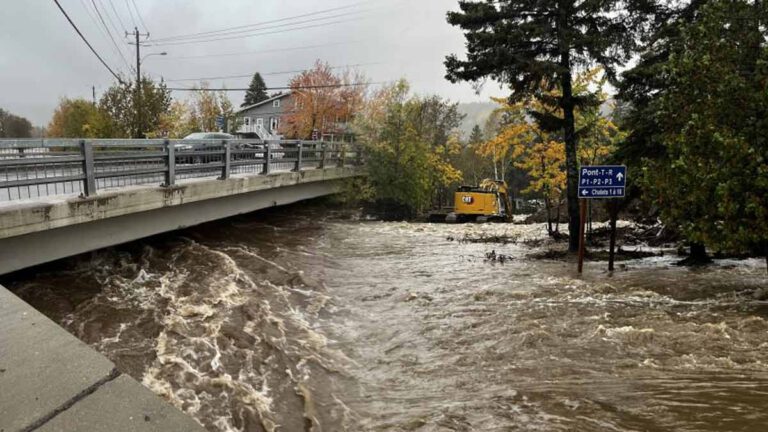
[(297, 320)]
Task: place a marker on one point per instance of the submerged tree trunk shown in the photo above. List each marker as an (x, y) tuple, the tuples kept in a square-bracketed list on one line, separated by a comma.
[(547, 200), (571, 157), (697, 256), (548, 205)]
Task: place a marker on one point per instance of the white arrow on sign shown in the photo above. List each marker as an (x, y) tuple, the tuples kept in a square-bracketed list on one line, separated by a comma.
[(585, 192), (619, 176)]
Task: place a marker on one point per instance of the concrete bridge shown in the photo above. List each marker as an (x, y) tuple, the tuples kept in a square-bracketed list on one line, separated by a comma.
[(59, 198)]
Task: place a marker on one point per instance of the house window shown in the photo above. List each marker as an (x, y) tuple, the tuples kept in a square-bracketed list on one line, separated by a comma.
[(274, 123), (247, 121), (276, 103)]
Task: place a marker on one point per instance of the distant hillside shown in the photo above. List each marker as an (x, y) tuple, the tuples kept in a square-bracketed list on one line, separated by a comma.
[(476, 113)]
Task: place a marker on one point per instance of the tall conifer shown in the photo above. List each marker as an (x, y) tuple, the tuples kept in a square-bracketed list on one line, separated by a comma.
[(527, 43), (257, 91)]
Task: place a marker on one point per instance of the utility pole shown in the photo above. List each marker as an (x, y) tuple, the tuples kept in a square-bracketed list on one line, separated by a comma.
[(93, 89), (138, 133)]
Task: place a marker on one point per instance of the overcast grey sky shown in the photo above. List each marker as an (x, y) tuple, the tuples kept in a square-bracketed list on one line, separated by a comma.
[(42, 59)]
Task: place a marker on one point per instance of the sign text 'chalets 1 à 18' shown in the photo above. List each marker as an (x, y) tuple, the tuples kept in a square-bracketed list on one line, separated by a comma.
[(602, 181)]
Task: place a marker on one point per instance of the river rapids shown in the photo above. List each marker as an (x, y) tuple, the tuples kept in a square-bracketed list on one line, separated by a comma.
[(299, 319)]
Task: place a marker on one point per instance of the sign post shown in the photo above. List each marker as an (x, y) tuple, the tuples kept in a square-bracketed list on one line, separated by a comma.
[(598, 182)]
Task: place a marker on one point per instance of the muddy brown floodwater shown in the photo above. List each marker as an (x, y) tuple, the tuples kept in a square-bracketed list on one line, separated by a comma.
[(302, 320)]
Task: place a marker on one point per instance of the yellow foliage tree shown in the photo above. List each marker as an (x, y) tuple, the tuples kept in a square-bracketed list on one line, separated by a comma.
[(544, 161), (409, 140), (513, 132), (205, 106), (79, 118), (521, 142), (176, 123)]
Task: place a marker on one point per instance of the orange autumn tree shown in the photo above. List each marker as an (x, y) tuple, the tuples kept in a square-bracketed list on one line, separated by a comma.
[(323, 101)]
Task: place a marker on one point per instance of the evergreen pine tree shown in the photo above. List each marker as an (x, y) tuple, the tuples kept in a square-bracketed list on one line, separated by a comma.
[(526, 44), (476, 137), (257, 91), (712, 173), (643, 86)]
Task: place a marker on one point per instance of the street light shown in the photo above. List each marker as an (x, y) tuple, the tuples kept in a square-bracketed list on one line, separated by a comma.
[(151, 54)]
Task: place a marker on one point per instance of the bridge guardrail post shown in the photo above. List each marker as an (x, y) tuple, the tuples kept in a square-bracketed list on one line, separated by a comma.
[(322, 155), (298, 156), (225, 171), (267, 156), (342, 155), (89, 181), (170, 173)]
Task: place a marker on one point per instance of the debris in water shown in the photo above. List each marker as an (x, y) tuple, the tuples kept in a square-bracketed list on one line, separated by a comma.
[(492, 256)]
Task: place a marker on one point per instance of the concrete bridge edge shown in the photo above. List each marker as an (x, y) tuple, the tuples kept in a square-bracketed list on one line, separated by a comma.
[(44, 246)]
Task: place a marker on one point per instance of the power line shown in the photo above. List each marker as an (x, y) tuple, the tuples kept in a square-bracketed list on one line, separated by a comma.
[(228, 29), (130, 12), (266, 73), (242, 53), (109, 17), (138, 14), (256, 34), (109, 33), (87, 43), (234, 34), (120, 20), (95, 22), (93, 18), (282, 88)]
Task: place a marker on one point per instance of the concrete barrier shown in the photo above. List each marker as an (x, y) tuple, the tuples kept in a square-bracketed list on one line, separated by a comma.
[(51, 381)]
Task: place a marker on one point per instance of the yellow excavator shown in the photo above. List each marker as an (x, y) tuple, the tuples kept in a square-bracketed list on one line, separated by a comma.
[(488, 202)]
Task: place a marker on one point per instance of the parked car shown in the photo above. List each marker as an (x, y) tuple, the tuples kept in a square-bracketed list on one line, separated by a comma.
[(203, 136), (261, 147), (208, 136), (199, 136)]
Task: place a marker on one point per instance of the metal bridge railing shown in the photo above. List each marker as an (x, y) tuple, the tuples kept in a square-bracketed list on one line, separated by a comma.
[(31, 169)]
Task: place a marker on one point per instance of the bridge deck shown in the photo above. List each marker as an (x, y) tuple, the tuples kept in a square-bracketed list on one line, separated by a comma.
[(123, 191)]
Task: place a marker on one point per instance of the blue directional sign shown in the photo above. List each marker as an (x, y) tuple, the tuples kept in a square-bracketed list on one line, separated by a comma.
[(220, 121), (602, 181)]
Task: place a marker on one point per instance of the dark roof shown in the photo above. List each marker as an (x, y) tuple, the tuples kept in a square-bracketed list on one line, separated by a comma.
[(264, 102)]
